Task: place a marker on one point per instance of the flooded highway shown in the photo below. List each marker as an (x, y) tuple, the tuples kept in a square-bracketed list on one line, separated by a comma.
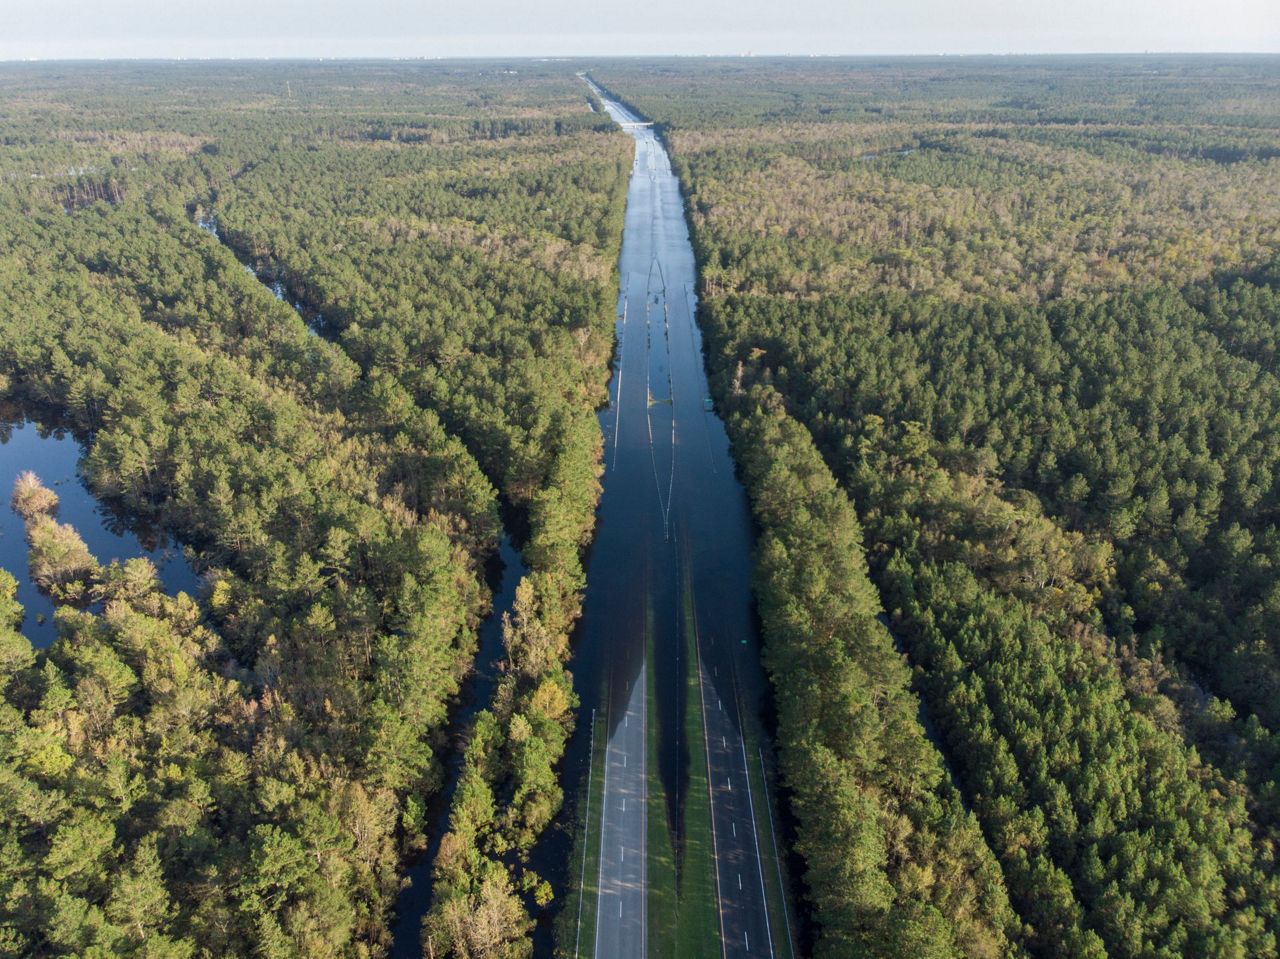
[(666, 846), (667, 652)]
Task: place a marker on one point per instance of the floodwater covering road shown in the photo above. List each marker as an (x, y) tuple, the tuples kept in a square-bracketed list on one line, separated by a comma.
[(668, 650)]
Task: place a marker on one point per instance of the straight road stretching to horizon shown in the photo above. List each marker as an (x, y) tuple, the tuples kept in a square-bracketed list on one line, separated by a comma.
[(673, 518)]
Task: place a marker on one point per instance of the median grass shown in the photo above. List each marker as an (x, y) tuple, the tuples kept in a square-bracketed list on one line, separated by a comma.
[(683, 913), (700, 929), (663, 894), (682, 904)]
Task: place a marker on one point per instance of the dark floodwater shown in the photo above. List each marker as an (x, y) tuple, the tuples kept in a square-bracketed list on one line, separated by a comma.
[(53, 457), (313, 319), (415, 899), (674, 533)]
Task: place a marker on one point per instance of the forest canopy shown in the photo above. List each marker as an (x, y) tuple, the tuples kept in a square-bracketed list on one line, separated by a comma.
[(328, 326), (995, 342)]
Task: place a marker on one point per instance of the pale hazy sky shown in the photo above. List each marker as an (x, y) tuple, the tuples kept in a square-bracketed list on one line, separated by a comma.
[(354, 28)]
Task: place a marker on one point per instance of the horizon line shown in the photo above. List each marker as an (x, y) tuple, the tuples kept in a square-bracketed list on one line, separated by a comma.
[(536, 57)]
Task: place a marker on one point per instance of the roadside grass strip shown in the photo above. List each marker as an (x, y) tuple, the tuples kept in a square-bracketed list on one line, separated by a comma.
[(683, 907)]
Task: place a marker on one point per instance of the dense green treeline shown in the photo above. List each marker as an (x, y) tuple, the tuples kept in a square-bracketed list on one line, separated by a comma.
[(514, 362), (895, 863), (1019, 682), (119, 744), (1028, 314), (347, 613), (419, 281), (1125, 416), (1106, 823), (1080, 791), (458, 227)]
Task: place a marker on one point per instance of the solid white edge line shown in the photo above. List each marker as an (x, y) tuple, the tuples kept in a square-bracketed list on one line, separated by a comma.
[(777, 861), (604, 807), (586, 834), (764, 897)]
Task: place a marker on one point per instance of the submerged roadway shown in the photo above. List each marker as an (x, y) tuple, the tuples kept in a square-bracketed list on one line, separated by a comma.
[(672, 554)]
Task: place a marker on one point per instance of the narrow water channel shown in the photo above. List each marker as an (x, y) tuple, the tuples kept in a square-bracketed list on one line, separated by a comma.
[(505, 571), (313, 318), (54, 456), (414, 901)]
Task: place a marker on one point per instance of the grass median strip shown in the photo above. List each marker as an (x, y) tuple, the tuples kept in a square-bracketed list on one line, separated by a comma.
[(663, 891), (700, 931)]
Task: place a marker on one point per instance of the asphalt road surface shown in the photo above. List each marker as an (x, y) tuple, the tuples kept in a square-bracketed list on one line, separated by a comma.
[(621, 923), (673, 517)]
